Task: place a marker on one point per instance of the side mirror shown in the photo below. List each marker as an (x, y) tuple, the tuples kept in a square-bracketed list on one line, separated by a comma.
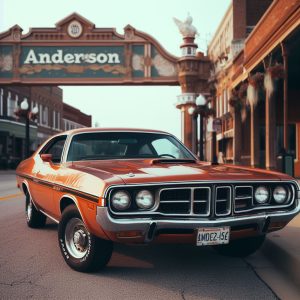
[(46, 157)]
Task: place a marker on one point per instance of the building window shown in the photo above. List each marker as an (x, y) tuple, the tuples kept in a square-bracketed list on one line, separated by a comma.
[(228, 105), (53, 120), (220, 106), (41, 114), (225, 101), (45, 116), (58, 120), (11, 103), (1, 102)]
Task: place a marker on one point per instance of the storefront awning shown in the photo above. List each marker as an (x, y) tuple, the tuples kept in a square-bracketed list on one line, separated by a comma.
[(17, 129)]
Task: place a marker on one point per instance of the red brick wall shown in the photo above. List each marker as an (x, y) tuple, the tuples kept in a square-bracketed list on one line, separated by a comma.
[(247, 13), (239, 19), (73, 114), (255, 9)]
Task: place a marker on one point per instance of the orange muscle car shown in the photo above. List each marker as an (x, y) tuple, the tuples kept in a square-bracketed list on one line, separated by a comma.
[(138, 186)]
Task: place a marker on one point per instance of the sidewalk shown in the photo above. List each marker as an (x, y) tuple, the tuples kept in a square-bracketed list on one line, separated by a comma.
[(282, 248), (277, 263)]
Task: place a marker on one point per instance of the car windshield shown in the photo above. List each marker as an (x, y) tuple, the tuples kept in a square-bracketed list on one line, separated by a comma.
[(125, 145)]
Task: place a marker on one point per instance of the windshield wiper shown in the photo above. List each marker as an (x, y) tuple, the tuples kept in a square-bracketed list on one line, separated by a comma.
[(173, 161)]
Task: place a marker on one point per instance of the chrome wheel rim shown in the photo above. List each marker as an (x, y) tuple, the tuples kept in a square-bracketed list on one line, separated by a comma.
[(76, 238), (29, 209)]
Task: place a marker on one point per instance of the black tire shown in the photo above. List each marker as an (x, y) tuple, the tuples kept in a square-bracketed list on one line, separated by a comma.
[(90, 253), (34, 218), (241, 247)]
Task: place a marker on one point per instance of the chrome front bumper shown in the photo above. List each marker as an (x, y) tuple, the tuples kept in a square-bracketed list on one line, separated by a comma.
[(147, 225)]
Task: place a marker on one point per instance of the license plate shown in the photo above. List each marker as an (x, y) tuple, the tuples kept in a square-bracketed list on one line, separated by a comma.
[(213, 236)]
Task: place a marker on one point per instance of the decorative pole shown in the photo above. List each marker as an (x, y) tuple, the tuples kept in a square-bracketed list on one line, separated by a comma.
[(188, 75), (29, 115), (285, 97)]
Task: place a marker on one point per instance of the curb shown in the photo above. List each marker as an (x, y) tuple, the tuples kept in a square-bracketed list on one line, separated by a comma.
[(284, 260)]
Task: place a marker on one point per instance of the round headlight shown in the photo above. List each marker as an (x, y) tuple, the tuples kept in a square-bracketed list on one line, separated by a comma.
[(279, 194), (120, 200), (261, 195), (144, 199)]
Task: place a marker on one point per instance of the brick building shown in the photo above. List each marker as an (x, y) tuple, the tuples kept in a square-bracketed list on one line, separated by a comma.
[(53, 116), (255, 54), (227, 42), (74, 118)]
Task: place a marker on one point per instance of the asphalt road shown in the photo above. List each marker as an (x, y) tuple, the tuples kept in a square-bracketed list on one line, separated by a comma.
[(31, 266)]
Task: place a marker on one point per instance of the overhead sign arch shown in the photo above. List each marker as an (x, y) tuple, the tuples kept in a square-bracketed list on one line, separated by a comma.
[(76, 52)]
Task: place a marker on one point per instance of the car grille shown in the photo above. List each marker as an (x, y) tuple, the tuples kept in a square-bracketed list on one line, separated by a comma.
[(207, 200), (223, 201), (243, 200), (186, 201)]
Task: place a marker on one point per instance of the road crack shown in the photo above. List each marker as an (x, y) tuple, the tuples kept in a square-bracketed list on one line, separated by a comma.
[(256, 274)]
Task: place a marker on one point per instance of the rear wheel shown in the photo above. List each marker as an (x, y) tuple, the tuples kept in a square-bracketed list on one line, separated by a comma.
[(34, 218), (81, 250), (241, 247)]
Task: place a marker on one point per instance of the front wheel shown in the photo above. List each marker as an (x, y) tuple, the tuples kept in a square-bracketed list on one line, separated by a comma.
[(81, 250), (241, 247)]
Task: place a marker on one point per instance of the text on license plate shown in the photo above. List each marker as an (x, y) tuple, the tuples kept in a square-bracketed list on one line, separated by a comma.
[(213, 236)]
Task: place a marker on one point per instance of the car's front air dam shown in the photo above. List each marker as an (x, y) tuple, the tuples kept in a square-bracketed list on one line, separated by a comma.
[(148, 230)]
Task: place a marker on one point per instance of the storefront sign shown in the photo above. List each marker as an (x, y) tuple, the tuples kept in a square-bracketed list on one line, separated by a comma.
[(72, 61), (77, 52), (60, 57)]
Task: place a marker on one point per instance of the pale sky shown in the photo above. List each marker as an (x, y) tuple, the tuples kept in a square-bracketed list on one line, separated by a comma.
[(117, 106)]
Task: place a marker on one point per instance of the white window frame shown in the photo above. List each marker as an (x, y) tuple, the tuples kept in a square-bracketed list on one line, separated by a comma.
[(224, 101), (41, 114), (58, 121), (1, 102), (46, 116), (53, 120)]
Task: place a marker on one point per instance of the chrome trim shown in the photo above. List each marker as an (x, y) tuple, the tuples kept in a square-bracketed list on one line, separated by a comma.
[(208, 201), (174, 201), (242, 198), (229, 201), (108, 223), (66, 147), (154, 210), (196, 182), (268, 207), (50, 217)]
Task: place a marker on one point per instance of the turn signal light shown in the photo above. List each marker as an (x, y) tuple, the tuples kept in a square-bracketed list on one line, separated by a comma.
[(129, 234), (276, 225)]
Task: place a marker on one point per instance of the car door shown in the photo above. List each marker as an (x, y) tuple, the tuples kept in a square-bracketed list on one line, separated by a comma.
[(46, 173)]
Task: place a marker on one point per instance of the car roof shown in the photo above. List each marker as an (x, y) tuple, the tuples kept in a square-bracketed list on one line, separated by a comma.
[(95, 129)]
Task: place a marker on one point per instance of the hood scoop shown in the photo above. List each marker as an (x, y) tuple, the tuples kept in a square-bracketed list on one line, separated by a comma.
[(172, 161)]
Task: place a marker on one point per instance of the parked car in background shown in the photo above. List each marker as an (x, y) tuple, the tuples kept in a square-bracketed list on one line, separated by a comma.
[(106, 186)]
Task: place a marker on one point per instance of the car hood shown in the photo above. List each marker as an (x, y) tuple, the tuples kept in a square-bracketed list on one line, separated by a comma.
[(144, 171)]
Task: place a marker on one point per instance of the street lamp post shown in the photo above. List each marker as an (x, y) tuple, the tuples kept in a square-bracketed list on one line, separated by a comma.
[(25, 112), (199, 110), (201, 102)]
